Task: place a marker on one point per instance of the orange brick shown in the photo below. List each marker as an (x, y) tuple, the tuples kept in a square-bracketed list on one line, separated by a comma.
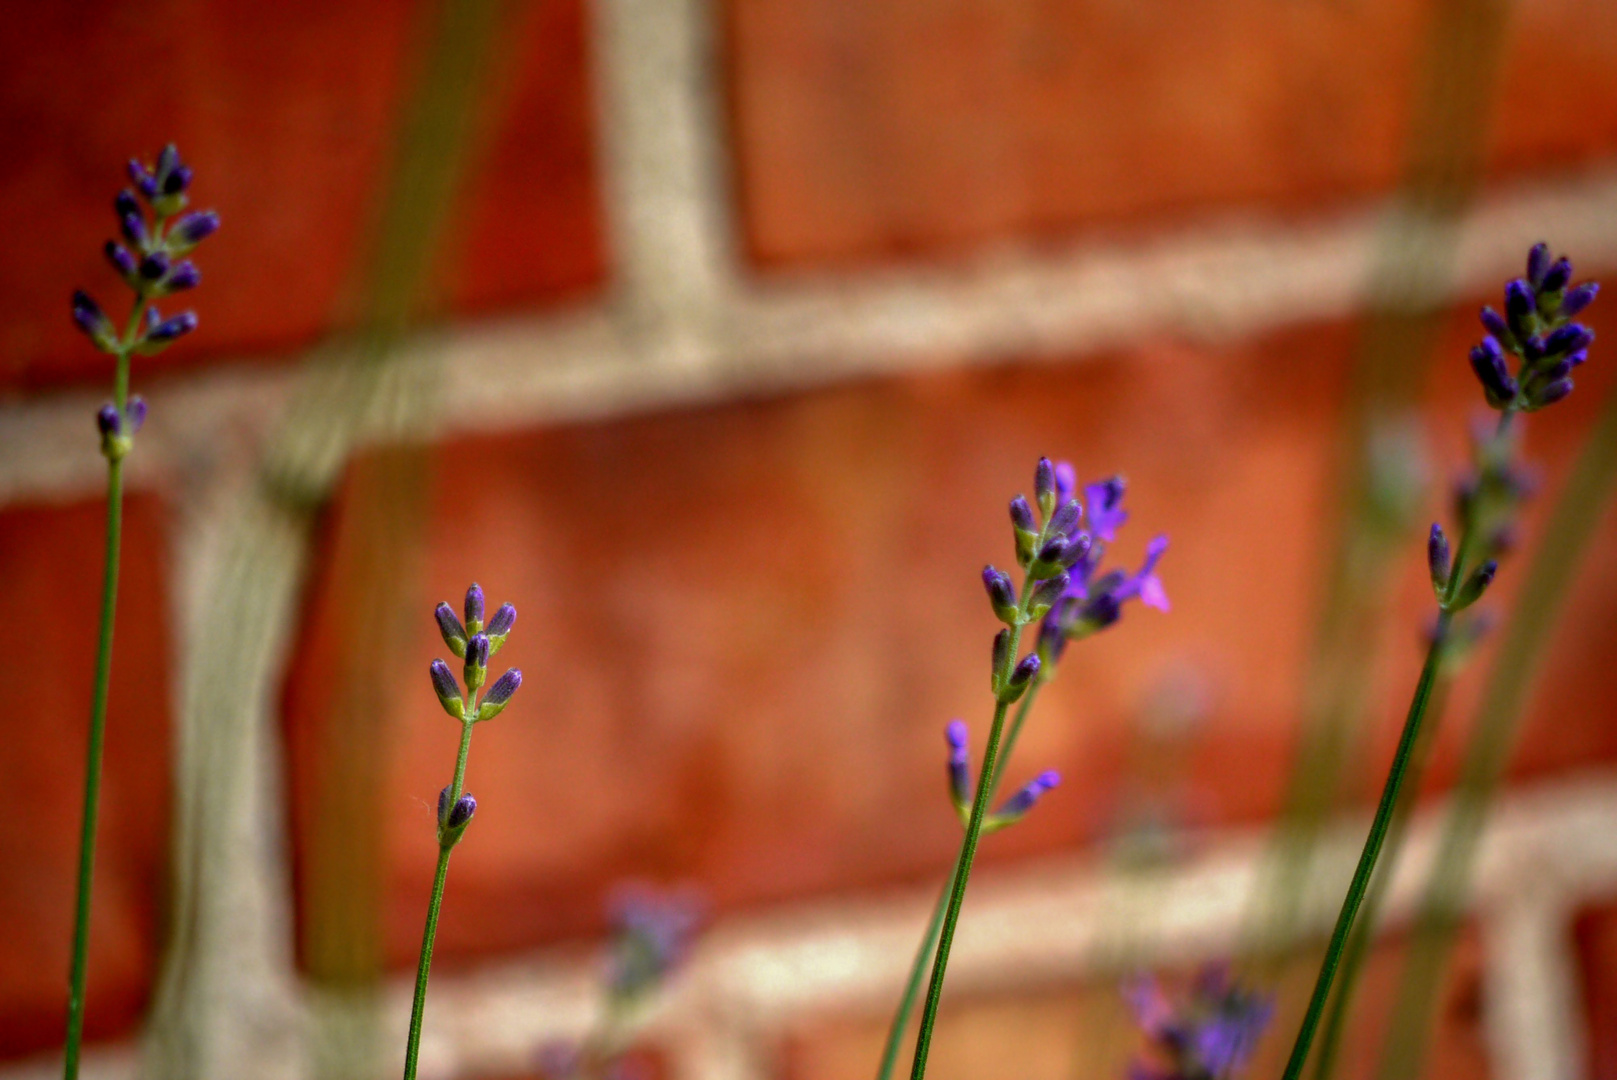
[(50, 561), (869, 131)]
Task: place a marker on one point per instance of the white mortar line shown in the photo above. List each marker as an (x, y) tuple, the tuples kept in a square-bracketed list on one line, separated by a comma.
[(1219, 281), (1533, 1018)]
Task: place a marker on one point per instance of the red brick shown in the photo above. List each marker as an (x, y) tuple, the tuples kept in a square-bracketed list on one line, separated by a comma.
[(868, 131), (287, 112), (743, 627), (50, 561), (1596, 930)]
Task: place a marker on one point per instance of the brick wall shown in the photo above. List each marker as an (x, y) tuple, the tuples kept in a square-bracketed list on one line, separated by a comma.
[(742, 513)]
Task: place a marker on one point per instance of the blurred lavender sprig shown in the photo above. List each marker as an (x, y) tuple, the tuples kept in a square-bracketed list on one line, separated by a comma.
[(150, 266), (1208, 1035)]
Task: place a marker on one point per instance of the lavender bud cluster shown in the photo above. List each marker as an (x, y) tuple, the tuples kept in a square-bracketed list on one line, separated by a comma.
[(1537, 331), (156, 233), (1209, 1035)]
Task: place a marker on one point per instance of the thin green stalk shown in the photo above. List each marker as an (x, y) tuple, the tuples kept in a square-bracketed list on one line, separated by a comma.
[(446, 844), (1549, 577), (929, 941), (1372, 849), (79, 969), (1358, 948)]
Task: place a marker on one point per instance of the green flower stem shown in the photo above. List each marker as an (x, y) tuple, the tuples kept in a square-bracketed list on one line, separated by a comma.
[(446, 844), (1549, 577), (929, 941), (968, 846), (1364, 932), (1372, 850), (79, 969)]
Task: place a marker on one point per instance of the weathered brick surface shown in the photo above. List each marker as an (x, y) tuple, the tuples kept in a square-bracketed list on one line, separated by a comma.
[(868, 131), (287, 112), (1597, 953), (49, 560), (744, 626), (1067, 1032)]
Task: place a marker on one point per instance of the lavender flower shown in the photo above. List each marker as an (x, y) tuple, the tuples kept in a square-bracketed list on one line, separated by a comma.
[(1537, 331), (449, 628), (476, 660), (474, 608), (448, 691), (500, 625), (1019, 804), (1106, 513), (499, 695), (1209, 1035), (653, 934)]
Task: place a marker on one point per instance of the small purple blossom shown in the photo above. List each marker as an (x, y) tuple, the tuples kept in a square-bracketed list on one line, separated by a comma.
[(1106, 513), (474, 608), (1536, 330), (449, 629), (1001, 594), (500, 623), (448, 691), (1209, 1035), (1024, 800), (957, 736), (499, 695)]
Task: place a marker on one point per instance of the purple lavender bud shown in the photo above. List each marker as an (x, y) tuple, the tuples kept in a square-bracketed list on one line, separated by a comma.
[(1569, 338), (1050, 554), (107, 420), (1557, 276), (499, 695), (1520, 307), (474, 608), (1044, 485), (144, 181), (449, 627), (191, 230), (1077, 547), (1538, 261), (121, 260), (1023, 674), (443, 684), (465, 807), (476, 669), (1065, 520), (172, 328), (1001, 594), (957, 736), (443, 803), (135, 414), (1066, 482), (1106, 513), (184, 276), (1495, 324), (1577, 359), (1552, 393), (177, 180), (1578, 297), (1488, 361), (134, 230), (1437, 559), (1022, 516), (167, 161), (1046, 593), (88, 317), (501, 622), (1020, 803), (154, 266), (1475, 585), (124, 204)]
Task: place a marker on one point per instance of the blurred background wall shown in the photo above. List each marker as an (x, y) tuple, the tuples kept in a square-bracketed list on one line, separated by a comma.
[(714, 334)]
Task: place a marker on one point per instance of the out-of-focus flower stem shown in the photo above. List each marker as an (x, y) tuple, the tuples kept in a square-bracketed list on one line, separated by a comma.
[(1372, 851), (929, 941), (446, 844), (1566, 538), (98, 712)]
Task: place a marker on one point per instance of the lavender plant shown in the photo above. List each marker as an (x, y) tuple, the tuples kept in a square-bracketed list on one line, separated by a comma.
[(474, 642), (1538, 334), (1209, 1035), (1059, 554), (652, 932), (156, 234)]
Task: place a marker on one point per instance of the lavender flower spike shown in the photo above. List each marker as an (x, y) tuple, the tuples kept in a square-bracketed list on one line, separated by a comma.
[(448, 691), (957, 736), (1208, 1036), (499, 695)]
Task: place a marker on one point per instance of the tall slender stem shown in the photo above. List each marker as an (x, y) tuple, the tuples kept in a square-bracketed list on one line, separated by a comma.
[(446, 844), (78, 970), (929, 941), (1372, 850)]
